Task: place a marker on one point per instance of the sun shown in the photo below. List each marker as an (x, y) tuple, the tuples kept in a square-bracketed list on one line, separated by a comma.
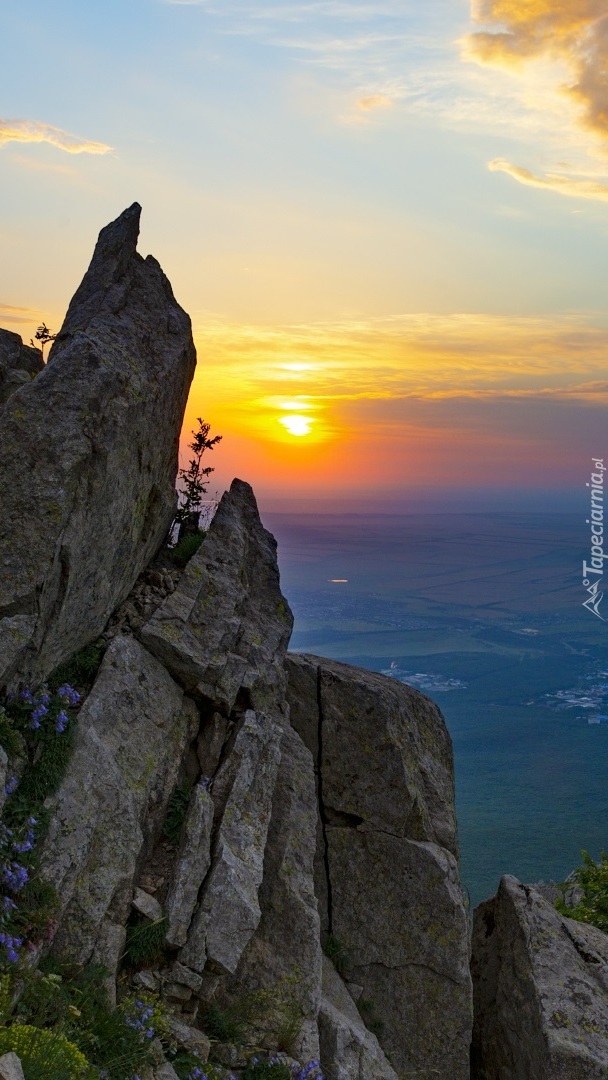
[(297, 425)]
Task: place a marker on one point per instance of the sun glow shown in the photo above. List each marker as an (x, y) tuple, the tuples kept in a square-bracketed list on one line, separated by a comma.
[(297, 425)]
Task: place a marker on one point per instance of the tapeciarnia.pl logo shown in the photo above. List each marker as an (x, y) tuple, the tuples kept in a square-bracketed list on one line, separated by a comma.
[(593, 572)]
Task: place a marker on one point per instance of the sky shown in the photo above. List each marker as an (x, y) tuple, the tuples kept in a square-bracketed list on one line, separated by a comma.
[(388, 220)]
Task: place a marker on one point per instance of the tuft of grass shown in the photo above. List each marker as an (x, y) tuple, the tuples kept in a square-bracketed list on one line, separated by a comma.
[(186, 548), (81, 669), (337, 952), (146, 943), (224, 1025), (41, 779), (176, 812), (37, 911)]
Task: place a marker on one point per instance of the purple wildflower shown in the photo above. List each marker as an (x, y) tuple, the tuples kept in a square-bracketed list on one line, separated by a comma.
[(12, 945), (37, 715), (68, 694), (305, 1071), (10, 785), (62, 722), (15, 876)]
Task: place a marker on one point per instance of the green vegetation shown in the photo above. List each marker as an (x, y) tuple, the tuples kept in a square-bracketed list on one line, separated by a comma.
[(176, 812), (186, 548), (225, 1025), (43, 335), (45, 1055), (190, 1067), (337, 952), (80, 671), (38, 731), (275, 1012), (70, 1008), (49, 756), (146, 943), (194, 478), (10, 739), (592, 908), (267, 1069)]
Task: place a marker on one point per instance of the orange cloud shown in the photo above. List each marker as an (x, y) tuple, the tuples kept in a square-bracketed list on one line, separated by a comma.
[(572, 31), (33, 131), (374, 101), (563, 185)]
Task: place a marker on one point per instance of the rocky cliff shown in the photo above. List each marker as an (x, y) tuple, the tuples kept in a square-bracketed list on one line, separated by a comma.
[(247, 852)]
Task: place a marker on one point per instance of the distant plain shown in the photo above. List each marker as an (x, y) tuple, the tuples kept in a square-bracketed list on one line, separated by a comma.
[(482, 612)]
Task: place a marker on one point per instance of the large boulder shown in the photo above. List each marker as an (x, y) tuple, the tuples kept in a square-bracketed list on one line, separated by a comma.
[(88, 453), (226, 627), (387, 871), (19, 364), (133, 731), (540, 989)]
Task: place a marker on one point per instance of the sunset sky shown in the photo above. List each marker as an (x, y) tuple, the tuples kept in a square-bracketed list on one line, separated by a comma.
[(388, 220)]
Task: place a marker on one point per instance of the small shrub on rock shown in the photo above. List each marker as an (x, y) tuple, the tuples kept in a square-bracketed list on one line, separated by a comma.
[(44, 1054), (186, 548), (592, 878)]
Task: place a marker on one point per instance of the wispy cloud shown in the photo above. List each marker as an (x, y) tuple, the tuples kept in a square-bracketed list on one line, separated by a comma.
[(293, 11), (18, 315), (563, 185), (33, 131), (366, 47), (369, 102)]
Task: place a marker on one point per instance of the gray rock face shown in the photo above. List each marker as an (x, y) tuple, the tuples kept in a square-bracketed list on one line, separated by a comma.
[(192, 866), (82, 520), (541, 991), (387, 870), (132, 734), (19, 364), (109, 951), (15, 635), (348, 1050), (285, 951), (227, 625), (229, 911)]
